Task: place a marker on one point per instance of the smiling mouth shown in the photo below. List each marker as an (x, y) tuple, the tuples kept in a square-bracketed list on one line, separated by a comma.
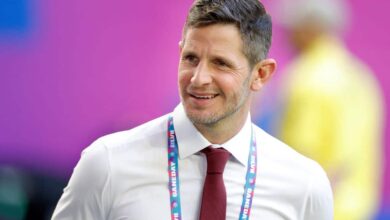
[(203, 97)]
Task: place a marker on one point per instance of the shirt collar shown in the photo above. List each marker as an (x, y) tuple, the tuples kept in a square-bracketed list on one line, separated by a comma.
[(191, 141)]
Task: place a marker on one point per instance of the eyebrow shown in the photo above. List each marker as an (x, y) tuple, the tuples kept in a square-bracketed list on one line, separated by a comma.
[(230, 61), (188, 53), (190, 49)]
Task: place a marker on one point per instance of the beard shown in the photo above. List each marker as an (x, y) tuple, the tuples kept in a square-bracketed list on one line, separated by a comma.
[(232, 106)]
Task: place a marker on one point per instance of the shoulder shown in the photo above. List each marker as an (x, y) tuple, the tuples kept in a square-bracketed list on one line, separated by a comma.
[(282, 155), (319, 199), (303, 181), (128, 148), (145, 133), (88, 185), (272, 148), (96, 160), (91, 186)]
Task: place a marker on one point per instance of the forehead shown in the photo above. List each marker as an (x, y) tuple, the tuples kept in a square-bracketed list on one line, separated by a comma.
[(223, 37)]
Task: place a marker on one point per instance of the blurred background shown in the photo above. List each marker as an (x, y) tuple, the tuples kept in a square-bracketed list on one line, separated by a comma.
[(72, 71)]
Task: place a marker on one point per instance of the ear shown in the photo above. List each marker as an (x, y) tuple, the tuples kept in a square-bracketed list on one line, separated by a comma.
[(180, 44), (262, 72)]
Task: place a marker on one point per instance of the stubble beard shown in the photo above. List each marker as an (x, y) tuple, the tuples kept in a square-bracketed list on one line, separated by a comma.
[(213, 118)]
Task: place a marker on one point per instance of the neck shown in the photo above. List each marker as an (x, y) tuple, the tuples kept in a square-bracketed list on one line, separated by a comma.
[(223, 130)]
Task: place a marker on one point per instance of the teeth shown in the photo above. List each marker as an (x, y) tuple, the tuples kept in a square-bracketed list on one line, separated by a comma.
[(205, 97)]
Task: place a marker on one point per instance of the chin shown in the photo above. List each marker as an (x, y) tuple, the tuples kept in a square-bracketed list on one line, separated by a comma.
[(203, 117)]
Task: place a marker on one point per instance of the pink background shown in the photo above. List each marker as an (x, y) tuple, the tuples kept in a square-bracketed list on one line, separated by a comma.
[(83, 69)]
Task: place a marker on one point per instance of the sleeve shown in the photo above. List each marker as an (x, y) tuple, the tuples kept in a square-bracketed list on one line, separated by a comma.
[(87, 193), (319, 201)]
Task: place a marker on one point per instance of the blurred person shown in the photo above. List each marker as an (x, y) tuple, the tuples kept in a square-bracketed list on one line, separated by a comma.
[(223, 61), (13, 194), (27, 194), (332, 106)]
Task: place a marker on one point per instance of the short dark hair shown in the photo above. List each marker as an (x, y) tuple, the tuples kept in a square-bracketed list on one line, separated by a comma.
[(249, 16)]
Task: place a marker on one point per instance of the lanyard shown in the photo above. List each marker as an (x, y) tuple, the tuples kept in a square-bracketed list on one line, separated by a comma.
[(174, 184)]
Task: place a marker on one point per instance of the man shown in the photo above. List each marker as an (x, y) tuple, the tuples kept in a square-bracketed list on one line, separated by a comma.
[(220, 165), (333, 107)]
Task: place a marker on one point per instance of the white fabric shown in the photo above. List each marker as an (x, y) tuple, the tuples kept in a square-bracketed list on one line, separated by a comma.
[(125, 176)]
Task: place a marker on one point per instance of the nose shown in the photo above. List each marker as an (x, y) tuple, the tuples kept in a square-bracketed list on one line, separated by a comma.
[(202, 75)]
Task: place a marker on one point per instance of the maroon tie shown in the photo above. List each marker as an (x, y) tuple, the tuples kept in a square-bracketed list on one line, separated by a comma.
[(214, 192)]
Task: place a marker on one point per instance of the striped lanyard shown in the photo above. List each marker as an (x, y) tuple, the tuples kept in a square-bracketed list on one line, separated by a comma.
[(174, 184)]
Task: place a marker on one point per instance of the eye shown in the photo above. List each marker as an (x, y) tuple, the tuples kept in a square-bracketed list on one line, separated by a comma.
[(190, 58), (221, 63)]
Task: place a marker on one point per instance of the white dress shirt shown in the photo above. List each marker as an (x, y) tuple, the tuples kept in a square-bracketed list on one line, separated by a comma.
[(125, 176)]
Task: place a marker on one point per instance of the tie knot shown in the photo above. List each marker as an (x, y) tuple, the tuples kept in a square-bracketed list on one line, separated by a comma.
[(216, 159)]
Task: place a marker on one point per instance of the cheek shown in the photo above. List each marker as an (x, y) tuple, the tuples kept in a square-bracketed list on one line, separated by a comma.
[(184, 75), (228, 82), (184, 78)]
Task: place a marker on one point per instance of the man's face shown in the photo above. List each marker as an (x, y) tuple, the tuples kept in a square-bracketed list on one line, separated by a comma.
[(214, 74)]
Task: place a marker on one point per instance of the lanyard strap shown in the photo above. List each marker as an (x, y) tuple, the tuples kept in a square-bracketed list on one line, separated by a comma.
[(173, 170), (174, 184)]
